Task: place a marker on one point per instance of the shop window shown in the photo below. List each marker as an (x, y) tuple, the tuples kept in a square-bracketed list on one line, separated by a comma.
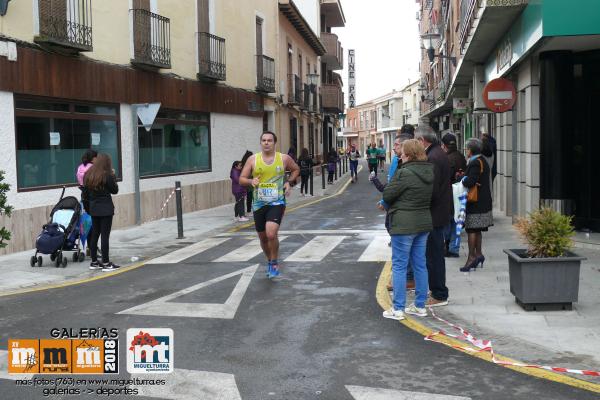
[(179, 142), (52, 135)]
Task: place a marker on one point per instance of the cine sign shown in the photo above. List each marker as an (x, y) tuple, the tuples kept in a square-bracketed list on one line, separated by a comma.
[(499, 95)]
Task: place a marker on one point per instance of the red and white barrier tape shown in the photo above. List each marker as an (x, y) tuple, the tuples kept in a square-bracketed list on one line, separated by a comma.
[(486, 346)]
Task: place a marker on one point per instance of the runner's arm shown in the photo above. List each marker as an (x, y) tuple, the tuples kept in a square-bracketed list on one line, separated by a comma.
[(245, 179), (290, 165)]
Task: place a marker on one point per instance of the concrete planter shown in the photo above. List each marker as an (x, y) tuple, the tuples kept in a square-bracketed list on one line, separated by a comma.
[(544, 283)]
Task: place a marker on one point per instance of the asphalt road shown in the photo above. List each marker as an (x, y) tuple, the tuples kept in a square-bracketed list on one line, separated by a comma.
[(316, 333)]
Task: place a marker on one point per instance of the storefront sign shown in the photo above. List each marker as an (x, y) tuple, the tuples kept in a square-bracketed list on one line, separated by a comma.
[(460, 105), (351, 79), (504, 55), (499, 95)]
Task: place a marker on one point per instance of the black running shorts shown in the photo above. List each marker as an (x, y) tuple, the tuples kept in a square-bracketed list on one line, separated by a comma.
[(266, 214)]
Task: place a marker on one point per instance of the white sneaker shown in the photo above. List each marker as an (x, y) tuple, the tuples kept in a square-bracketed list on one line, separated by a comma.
[(414, 310), (243, 219), (393, 314)]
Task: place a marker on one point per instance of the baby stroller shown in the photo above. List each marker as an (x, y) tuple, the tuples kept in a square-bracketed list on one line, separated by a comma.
[(60, 234)]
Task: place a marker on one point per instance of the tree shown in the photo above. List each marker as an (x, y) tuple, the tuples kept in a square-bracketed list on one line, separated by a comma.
[(5, 209)]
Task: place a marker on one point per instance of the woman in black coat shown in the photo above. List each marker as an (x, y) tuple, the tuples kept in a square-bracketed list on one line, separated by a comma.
[(100, 183), (479, 213)]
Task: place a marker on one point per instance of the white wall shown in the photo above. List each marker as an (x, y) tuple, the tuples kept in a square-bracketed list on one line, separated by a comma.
[(231, 136), (310, 10)]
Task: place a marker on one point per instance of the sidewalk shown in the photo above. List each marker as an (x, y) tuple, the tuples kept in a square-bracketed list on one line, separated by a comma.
[(136, 244), (481, 302)]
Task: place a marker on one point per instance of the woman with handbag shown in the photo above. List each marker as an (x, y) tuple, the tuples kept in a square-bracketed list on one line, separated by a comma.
[(479, 202)]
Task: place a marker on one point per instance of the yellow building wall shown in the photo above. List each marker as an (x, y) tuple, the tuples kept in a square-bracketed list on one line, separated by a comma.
[(111, 32), (235, 21), (18, 21)]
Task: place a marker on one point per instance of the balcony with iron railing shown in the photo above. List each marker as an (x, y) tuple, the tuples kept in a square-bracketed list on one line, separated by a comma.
[(333, 98), (467, 16), (294, 90), (151, 39), (306, 104), (441, 90), (211, 57), (334, 56), (65, 23), (265, 74)]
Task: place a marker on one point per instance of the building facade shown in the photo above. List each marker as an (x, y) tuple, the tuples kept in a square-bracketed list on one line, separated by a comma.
[(550, 50), (73, 72)]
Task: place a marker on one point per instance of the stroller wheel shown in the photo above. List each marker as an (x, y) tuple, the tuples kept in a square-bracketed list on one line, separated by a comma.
[(81, 256), (32, 261), (58, 258), (39, 260), (75, 257), (52, 256), (64, 262)]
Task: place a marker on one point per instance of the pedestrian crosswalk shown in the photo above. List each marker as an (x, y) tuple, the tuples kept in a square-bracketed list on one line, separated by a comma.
[(306, 246), (316, 249)]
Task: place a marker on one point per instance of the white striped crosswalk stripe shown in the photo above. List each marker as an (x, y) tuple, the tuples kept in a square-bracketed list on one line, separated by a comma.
[(378, 250), (245, 252), (189, 251), (316, 249)]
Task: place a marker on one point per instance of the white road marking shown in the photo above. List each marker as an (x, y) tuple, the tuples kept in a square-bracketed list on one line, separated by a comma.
[(4, 369), (164, 307), (369, 393), (378, 250), (187, 252), (316, 249), (313, 232), (188, 384), (245, 252)]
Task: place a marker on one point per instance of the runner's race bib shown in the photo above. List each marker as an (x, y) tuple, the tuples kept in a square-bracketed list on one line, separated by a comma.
[(268, 192)]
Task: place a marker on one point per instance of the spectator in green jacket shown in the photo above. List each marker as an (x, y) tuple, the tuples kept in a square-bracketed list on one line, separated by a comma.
[(409, 197)]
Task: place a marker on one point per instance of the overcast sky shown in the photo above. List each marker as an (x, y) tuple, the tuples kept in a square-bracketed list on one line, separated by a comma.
[(385, 35)]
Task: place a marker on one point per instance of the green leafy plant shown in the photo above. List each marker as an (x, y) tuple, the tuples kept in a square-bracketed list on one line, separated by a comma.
[(547, 233), (5, 209)]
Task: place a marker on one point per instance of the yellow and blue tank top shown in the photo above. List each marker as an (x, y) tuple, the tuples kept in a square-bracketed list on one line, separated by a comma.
[(269, 191)]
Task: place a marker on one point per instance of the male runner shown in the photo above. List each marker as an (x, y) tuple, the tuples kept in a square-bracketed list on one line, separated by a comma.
[(267, 169)]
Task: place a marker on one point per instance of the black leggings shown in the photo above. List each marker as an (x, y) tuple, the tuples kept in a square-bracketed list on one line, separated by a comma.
[(101, 226), (249, 201), (239, 205), (304, 184)]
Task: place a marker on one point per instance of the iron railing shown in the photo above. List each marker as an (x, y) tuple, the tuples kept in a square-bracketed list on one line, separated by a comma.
[(265, 74), (211, 57), (67, 23), (151, 39), (467, 16), (294, 89), (307, 103)]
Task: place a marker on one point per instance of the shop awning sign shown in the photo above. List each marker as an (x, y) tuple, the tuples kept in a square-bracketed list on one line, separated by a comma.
[(499, 95)]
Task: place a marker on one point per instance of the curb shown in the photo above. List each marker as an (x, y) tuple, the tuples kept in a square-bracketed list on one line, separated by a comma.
[(384, 300)]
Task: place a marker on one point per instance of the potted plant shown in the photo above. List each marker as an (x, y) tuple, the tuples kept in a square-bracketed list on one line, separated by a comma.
[(546, 274)]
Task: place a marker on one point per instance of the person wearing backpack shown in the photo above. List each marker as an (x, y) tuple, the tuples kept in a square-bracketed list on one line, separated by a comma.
[(305, 163), (100, 183)]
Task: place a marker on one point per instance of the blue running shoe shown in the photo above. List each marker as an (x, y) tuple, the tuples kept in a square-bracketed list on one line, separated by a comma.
[(269, 269), (275, 269)]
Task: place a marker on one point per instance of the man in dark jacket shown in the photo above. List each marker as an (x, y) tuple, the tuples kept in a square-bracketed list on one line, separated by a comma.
[(458, 165), (442, 209)]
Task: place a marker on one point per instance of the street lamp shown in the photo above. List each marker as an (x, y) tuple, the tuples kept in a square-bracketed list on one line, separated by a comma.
[(431, 51), (312, 79)]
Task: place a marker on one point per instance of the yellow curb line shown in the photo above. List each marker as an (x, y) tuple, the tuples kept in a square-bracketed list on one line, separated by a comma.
[(75, 281), (138, 265), (384, 300)]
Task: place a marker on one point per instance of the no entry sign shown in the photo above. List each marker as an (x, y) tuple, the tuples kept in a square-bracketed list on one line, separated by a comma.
[(499, 95)]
